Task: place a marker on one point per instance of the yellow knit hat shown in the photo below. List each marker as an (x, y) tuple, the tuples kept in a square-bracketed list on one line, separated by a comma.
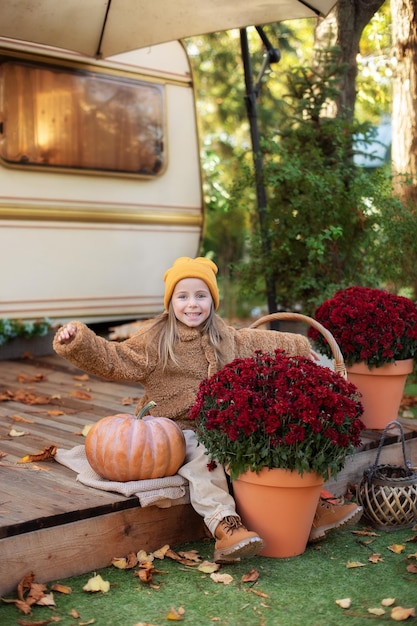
[(185, 267)]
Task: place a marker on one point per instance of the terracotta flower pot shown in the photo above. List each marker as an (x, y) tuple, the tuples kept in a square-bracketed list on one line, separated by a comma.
[(280, 506), (382, 389)]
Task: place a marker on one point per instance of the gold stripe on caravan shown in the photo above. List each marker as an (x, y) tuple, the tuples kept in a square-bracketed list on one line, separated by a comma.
[(175, 216)]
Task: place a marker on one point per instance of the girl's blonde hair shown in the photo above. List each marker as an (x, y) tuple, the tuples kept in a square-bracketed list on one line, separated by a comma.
[(168, 335)]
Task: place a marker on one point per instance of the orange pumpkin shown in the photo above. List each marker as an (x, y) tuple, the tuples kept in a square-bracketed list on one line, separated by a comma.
[(126, 447)]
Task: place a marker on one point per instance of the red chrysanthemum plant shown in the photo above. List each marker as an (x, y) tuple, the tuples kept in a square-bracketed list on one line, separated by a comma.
[(277, 411), (369, 325)]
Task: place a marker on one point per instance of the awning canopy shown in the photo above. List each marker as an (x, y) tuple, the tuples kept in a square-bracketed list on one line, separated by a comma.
[(102, 28)]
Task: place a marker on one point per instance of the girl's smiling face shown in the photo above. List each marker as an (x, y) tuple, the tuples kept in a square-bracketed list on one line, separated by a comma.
[(191, 301)]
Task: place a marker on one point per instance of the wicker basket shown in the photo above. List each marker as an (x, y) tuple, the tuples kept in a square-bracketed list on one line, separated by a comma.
[(388, 493), (339, 365)]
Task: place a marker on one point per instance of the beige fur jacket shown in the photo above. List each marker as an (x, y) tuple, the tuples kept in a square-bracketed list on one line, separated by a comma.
[(174, 390)]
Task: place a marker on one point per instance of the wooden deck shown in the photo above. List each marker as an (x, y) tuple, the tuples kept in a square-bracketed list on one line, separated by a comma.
[(56, 527), (50, 523)]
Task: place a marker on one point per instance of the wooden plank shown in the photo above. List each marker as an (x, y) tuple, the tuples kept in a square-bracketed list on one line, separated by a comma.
[(84, 546), (356, 464)]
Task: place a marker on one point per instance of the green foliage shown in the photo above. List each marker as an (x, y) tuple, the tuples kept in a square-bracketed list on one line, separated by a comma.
[(10, 329), (320, 219)]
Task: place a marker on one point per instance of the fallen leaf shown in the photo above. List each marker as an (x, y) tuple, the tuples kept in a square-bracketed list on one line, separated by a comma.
[(208, 568), (191, 555), (74, 613), (132, 560), (80, 395), (412, 568), (388, 601), (81, 377), (61, 588), (29, 398), (86, 429), (351, 564), (175, 615), (160, 554), (250, 577), (55, 413), (226, 579), (145, 575), (397, 548), (16, 433), (47, 454), (400, 614), (19, 418), (257, 592), (344, 603), (96, 583), (375, 558), (376, 611), (46, 600), (25, 378), (143, 557), (365, 533)]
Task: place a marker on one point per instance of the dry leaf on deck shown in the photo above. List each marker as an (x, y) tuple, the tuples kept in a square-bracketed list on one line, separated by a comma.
[(25, 378), (80, 395), (19, 418), (82, 377), (16, 433), (47, 454), (29, 398), (86, 430)]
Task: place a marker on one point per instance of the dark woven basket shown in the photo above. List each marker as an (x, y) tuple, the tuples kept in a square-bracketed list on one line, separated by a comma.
[(388, 493)]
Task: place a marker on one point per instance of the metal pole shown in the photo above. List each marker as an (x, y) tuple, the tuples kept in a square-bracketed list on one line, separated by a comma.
[(252, 112)]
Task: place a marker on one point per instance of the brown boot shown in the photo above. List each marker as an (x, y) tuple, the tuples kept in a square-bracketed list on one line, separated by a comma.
[(330, 515), (234, 541)]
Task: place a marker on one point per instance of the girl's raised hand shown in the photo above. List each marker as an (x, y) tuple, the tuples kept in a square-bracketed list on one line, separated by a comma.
[(66, 333)]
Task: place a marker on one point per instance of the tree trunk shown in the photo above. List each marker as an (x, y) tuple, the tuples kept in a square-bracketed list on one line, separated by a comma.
[(343, 27), (404, 104)]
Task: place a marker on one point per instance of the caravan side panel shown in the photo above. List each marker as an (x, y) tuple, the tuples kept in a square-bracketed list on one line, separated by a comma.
[(89, 242)]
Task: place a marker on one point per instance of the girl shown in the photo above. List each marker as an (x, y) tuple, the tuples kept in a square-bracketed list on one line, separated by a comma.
[(170, 356)]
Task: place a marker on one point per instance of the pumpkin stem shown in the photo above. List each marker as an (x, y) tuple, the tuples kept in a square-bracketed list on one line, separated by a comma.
[(145, 409)]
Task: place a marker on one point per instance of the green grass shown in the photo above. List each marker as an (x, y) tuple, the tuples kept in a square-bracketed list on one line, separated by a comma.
[(301, 591)]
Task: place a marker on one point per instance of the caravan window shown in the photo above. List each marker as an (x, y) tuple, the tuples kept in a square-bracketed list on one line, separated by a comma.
[(72, 118)]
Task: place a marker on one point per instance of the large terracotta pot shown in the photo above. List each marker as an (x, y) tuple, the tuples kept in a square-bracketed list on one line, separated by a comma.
[(382, 390), (280, 506)]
